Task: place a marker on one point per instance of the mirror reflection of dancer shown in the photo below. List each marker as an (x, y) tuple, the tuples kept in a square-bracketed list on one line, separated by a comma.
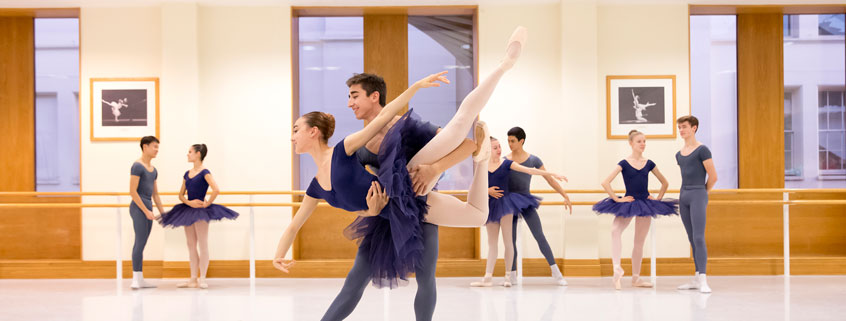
[(116, 106), (502, 205), (639, 108), (638, 204)]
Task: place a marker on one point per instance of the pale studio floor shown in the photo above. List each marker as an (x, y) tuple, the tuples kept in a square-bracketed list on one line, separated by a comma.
[(734, 298)]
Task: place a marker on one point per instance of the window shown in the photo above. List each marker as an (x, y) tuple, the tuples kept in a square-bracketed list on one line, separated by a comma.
[(331, 50), (792, 166), (438, 43), (832, 133), (713, 90), (814, 82), (57, 104)]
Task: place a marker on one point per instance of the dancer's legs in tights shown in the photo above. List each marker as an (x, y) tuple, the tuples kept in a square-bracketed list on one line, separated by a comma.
[(427, 292), (202, 229), (447, 210), (530, 216), (193, 256), (454, 132), (493, 250), (641, 230), (692, 205), (354, 286), (142, 227), (358, 277), (617, 227), (507, 238)]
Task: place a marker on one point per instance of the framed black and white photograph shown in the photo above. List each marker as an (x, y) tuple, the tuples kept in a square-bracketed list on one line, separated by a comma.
[(645, 103), (124, 108)]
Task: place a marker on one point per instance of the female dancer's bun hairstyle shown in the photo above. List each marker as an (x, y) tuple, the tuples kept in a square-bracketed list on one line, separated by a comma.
[(202, 149), (323, 121)]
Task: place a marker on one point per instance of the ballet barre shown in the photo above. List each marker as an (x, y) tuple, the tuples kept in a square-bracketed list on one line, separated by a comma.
[(784, 201)]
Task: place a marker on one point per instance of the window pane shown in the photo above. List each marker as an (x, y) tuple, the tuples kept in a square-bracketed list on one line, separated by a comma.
[(823, 140), (438, 43), (331, 49), (834, 98), (788, 111), (823, 160), (814, 73), (713, 63), (56, 104), (835, 119)]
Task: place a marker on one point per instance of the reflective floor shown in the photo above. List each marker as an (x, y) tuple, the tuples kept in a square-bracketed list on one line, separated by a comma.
[(734, 298)]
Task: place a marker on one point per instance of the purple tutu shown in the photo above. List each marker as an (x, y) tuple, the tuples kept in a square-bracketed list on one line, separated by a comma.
[(639, 207), (393, 240), (184, 215), (510, 203)]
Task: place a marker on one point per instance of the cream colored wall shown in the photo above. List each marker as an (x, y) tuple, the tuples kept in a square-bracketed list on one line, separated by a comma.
[(557, 94), (225, 81)]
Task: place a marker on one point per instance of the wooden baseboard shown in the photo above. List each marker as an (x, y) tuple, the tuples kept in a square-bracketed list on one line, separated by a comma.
[(78, 269)]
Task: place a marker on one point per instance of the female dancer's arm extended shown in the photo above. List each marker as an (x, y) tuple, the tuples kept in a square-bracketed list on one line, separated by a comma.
[(376, 201)]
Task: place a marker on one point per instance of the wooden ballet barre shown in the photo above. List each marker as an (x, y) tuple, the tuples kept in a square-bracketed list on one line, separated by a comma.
[(451, 192), (323, 204)]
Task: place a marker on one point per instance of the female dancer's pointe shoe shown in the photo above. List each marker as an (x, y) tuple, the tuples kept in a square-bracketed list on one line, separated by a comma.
[(486, 282), (483, 143), (203, 285), (618, 275), (507, 282), (189, 284), (515, 46), (640, 283)]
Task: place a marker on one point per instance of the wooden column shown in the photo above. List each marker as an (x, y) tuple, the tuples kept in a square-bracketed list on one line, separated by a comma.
[(38, 233), (760, 100), (386, 50), (17, 104)]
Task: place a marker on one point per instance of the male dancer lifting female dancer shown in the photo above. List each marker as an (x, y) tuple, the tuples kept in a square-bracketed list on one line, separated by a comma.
[(396, 242)]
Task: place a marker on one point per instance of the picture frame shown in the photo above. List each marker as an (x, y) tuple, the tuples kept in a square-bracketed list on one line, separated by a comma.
[(646, 103), (124, 109)]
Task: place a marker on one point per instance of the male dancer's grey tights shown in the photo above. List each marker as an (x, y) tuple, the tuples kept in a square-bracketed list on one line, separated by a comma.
[(142, 227), (530, 215), (359, 277), (692, 204)]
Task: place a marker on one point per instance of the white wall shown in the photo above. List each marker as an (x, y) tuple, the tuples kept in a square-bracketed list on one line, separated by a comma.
[(225, 81)]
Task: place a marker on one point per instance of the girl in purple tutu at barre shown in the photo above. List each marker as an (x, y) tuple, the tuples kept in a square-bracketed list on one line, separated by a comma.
[(637, 203), (502, 204), (195, 213)]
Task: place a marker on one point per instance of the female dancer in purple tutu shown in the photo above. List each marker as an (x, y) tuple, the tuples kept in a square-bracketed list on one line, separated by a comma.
[(194, 214), (502, 205), (637, 203), (390, 223)]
